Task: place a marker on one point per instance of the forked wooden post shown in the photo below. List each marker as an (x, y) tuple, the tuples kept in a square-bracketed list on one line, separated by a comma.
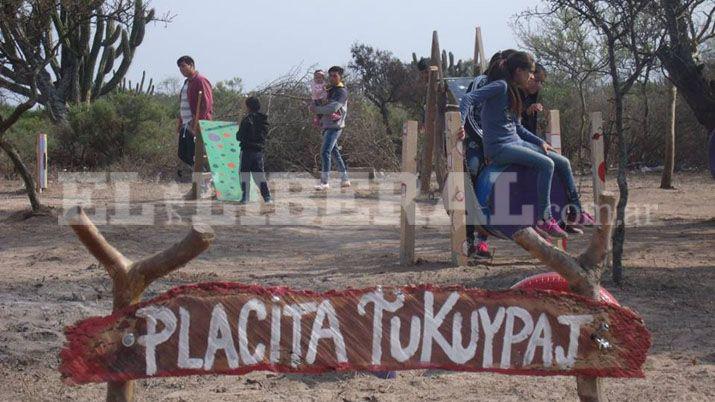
[(553, 137), (583, 273), (428, 145), (409, 192), (480, 63), (456, 192), (130, 279)]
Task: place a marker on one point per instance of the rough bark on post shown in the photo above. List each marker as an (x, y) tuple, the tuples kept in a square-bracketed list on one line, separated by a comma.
[(583, 272), (553, 137), (130, 279), (199, 154), (409, 191), (428, 145), (666, 181)]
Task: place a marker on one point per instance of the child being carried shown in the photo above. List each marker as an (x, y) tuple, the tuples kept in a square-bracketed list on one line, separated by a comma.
[(319, 96)]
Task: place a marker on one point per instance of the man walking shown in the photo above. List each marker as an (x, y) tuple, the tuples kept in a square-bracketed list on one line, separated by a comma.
[(332, 123)]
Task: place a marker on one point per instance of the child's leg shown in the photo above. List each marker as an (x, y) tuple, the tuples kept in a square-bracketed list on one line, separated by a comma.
[(259, 176), (544, 166), (562, 167)]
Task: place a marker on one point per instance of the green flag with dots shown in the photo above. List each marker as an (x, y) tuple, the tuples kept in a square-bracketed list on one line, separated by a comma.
[(224, 155)]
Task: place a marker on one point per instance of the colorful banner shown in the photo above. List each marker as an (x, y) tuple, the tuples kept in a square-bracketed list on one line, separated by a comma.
[(224, 155)]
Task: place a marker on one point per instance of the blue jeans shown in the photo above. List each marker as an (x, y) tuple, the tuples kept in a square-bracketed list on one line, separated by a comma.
[(330, 147), (532, 156)]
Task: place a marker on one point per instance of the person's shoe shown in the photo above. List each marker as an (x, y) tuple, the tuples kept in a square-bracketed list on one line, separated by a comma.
[(322, 187), (268, 201), (549, 228), (345, 183), (482, 250), (581, 219), (572, 230), (243, 201)]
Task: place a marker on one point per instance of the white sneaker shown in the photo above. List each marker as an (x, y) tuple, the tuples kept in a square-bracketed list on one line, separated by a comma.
[(345, 183), (322, 187)]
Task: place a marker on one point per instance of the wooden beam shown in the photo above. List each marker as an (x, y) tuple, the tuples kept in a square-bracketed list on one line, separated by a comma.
[(409, 192), (598, 166), (480, 63), (428, 145), (456, 193), (440, 139), (435, 55)]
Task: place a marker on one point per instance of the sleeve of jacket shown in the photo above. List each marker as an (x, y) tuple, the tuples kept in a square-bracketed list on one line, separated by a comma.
[(207, 100), (335, 102), (242, 130), (479, 95), (527, 135)]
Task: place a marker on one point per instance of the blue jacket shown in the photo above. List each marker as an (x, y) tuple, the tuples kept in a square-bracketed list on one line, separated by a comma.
[(501, 126)]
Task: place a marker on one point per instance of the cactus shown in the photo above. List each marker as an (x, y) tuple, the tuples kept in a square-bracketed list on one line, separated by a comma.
[(139, 87), (96, 46)]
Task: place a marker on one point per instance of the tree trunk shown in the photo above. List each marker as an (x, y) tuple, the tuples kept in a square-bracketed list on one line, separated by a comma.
[(385, 113), (666, 181), (24, 173), (686, 74), (582, 127), (619, 234)]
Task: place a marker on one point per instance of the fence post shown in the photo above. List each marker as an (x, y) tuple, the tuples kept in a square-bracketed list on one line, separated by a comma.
[(455, 190), (408, 188)]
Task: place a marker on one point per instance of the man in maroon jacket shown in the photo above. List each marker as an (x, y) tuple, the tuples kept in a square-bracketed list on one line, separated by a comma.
[(194, 84)]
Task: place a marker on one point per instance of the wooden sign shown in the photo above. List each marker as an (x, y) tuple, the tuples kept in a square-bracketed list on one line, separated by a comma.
[(230, 328)]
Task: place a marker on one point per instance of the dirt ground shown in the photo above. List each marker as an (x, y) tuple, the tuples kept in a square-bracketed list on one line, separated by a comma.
[(347, 240)]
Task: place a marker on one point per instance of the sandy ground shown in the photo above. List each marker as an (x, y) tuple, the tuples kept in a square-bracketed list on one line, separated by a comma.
[(348, 239)]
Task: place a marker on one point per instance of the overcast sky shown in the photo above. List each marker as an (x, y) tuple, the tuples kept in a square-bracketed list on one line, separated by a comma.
[(260, 40)]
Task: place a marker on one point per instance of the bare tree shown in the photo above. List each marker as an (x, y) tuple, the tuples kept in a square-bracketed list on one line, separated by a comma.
[(383, 78), (563, 44), (629, 32)]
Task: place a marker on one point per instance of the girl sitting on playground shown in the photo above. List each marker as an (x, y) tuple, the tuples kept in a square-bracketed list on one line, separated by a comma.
[(506, 141)]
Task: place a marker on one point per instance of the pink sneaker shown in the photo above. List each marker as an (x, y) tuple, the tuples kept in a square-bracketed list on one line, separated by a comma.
[(550, 228), (581, 219), (483, 250)]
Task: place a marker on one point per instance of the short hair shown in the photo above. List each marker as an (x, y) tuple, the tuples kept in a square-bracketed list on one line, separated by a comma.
[(185, 59), (253, 104), (336, 69)]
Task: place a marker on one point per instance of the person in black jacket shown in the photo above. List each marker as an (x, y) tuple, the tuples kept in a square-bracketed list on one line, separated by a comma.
[(251, 135)]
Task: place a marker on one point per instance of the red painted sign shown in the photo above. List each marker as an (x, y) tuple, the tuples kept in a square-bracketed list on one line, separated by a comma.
[(228, 328)]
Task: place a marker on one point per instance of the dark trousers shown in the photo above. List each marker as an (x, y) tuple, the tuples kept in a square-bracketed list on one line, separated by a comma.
[(187, 146), (252, 164)]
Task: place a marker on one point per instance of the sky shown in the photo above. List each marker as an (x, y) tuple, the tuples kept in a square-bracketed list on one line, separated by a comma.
[(260, 40)]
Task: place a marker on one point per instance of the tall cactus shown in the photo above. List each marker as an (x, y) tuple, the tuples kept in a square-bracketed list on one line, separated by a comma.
[(96, 44)]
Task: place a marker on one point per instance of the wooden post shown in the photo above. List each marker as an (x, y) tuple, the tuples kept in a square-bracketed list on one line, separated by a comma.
[(409, 192), (598, 168), (440, 139), (480, 63), (583, 272), (41, 162), (199, 154), (456, 192), (435, 55), (553, 137), (666, 180), (130, 279), (428, 145), (598, 165)]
